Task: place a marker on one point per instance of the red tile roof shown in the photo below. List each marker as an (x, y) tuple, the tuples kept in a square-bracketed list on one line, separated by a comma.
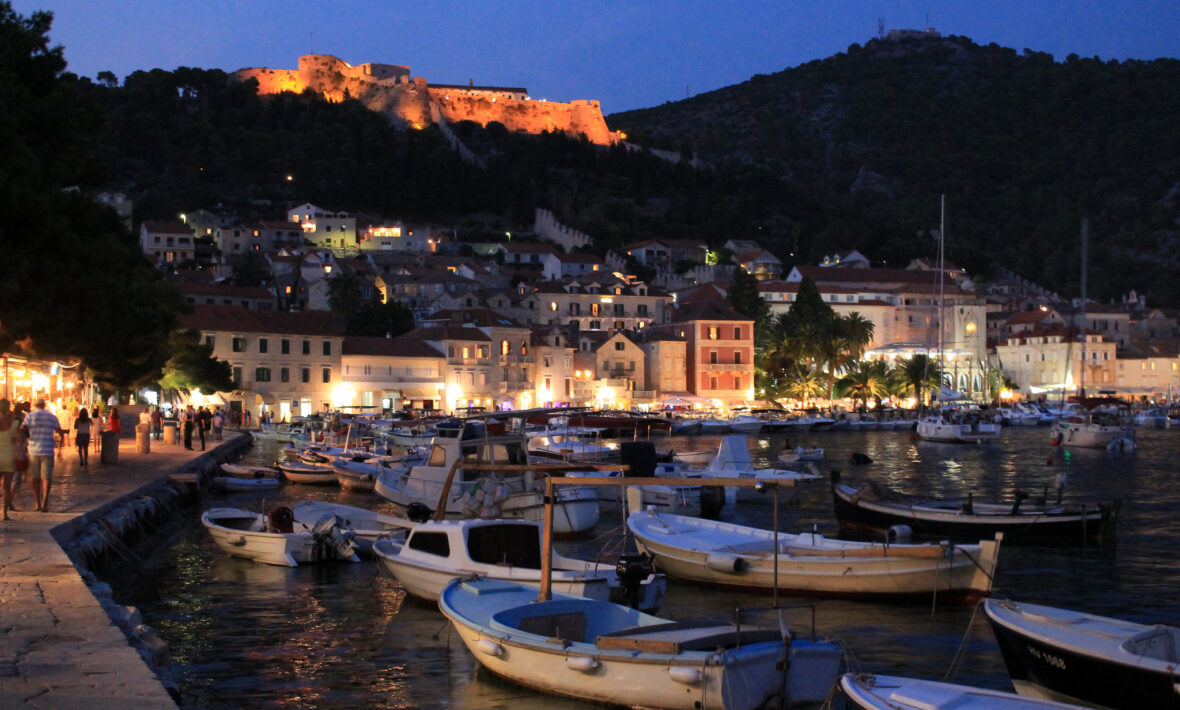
[(389, 347), (168, 228), (240, 320)]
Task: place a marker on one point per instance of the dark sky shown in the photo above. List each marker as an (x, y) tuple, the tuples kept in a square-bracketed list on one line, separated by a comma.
[(625, 54)]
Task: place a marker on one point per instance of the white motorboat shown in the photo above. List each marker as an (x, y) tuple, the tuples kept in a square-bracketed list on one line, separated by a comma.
[(800, 454), (241, 471), (412, 434), (698, 457), (959, 425), (275, 538), (235, 484), (485, 493), (434, 553), (1096, 428), (361, 475), (884, 692), (1085, 658), (306, 473), (713, 426), (560, 446), (608, 653), (733, 460), (368, 525), (712, 552), (746, 424)]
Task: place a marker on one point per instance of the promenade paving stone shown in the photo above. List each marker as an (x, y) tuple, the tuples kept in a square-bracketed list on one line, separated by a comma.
[(58, 648)]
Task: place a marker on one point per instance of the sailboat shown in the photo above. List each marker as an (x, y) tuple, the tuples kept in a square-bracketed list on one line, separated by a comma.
[(1100, 423), (953, 422)]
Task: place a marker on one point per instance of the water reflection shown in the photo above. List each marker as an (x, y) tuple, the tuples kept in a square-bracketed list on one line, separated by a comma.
[(257, 636)]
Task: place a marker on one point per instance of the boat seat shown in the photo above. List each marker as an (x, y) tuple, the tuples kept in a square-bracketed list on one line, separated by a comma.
[(679, 636), (568, 626), (1159, 643)]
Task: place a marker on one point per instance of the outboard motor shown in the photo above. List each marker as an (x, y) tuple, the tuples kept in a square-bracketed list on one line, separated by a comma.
[(281, 520), (1020, 498), (631, 571), (640, 457), (333, 540), (419, 512)]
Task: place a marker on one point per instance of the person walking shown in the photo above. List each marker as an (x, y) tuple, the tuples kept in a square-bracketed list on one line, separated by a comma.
[(218, 422), (96, 429), (201, 426), (186, 418), (157, 424), (82, 435), (114, 423), (10, 445), (42, 426)]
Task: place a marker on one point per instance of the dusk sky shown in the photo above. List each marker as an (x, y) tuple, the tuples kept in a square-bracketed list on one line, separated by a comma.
[(625, 54)]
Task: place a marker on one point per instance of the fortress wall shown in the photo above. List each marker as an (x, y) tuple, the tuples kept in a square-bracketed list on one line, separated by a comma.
[(528, 116)]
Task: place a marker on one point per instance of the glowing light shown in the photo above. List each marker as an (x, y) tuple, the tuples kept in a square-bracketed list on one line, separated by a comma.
[(1006, 394), (342, 396), (971, 327)]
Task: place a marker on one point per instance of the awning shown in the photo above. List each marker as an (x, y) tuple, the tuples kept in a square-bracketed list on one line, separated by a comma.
[(684, 398)]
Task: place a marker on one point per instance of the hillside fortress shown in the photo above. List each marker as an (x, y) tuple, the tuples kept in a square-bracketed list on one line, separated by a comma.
[(416, 103)]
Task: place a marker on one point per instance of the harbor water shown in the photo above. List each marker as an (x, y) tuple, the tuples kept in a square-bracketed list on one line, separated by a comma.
[(248, 635)]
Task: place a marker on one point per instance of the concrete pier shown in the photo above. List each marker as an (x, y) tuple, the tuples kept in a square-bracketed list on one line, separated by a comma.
[(58, 646)]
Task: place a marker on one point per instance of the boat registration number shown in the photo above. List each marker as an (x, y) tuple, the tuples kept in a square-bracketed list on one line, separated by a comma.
[(1047, 658)]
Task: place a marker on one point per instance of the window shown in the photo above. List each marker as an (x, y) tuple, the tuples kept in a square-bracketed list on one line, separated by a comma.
[(237, 375), (713, 332), (548, 383), (524, 348), (210, 341), (737, 357), (737, 332), (466, 352), (737, 382), (263, 346), (619, 345), (262, 374), (642, 309), (546, 361), (712, 357), (618, 309), (327, 374), (619, 325), (503, 347), (307, 347), (285, 346), (593, 309), (327, 348), (431, 543), (595, 325), (712, 383), (284, 374), (305, 375), (239, 345)]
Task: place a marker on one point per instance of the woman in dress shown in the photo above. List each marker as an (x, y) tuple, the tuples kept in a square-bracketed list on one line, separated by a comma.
[(96, 429), (82, 435), (10, 443)]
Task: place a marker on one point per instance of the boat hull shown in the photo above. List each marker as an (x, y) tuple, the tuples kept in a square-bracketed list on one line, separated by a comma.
[(729, 555), (1044, 665), (880, 692), (239, 533)]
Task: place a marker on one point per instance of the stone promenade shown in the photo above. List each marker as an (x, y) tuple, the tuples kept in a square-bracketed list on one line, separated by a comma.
[(58, 647)]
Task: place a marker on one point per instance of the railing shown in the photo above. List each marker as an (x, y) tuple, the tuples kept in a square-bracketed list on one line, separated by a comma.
[(643, 394), (725, 366), (467, 361)]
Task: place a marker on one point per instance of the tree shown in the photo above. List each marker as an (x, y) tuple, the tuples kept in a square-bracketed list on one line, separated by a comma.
[(743, 297), (919, 373), (76, 284), (107, 78), (803, 384), (864, 381), (344, 295), (192, 366), (252, 270)]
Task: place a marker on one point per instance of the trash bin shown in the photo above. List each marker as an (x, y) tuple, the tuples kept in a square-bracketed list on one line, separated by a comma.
[(110, 447), (170, 436), (143, 438)]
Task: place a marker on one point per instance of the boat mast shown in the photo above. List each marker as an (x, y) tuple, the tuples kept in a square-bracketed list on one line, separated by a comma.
[(941, 288), (1082, 374)]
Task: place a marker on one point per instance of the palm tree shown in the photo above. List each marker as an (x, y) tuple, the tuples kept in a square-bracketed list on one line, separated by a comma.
[(919, 372), (841, 341), (344, 295), (803, 384), (864, 380)]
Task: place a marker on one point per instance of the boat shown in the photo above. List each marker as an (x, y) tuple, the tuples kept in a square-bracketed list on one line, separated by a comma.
[(726, 554), (885, 692), (368, 526), (412, 435), (1154, 418), (642, 461), (698, 457), (241, 471), (561, 446), (360, 475), (306, 473), (435, 552), (1084, 658), (876, 507), (686, 426), (1100, 423), (459, 450), (733, 460), (801, 454), (609, 653), (713, 425), (746, 424), (958, 425), (236, 484), (273, 539)]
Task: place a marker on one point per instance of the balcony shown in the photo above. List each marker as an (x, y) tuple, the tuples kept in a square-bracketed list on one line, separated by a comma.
[(467, 361), (726, 367), (643, 394), (503, 387)]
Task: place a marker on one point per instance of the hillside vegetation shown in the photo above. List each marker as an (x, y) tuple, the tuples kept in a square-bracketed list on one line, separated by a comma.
[(1022, 145)]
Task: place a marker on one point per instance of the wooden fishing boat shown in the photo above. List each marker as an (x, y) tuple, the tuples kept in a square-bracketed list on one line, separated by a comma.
[(235, 484), (878, 508), (274, 539), (241, 471), (306, 473), (1084, 658), (435, 552), (369, 526), (712, 552), (883, 692), (610, 653)]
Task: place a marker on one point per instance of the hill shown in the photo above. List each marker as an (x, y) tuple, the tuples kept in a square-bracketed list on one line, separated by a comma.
[(1022, 145)]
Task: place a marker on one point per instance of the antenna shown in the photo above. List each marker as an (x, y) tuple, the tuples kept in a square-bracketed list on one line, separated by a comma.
[(880, 28), (311, 42)]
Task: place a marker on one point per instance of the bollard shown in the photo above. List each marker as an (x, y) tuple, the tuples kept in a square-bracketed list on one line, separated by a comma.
[(171, 436), (143, 438), (110, 448)]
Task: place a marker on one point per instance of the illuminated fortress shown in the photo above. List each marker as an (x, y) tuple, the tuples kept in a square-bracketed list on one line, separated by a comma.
[(415, 102)]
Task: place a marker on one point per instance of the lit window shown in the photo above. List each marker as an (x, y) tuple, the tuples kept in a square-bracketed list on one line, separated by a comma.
[(713, 332)]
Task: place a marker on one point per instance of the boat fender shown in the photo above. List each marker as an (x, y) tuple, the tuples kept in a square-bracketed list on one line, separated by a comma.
[(900, 533), (584, 664), (685, 674), (729, 564), (489, 647)]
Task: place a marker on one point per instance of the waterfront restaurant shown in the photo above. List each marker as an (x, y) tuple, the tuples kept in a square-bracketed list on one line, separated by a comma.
[(27, 379)]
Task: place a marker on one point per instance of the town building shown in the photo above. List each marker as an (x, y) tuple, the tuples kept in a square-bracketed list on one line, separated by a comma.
[(167, 242), (324, 228)]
